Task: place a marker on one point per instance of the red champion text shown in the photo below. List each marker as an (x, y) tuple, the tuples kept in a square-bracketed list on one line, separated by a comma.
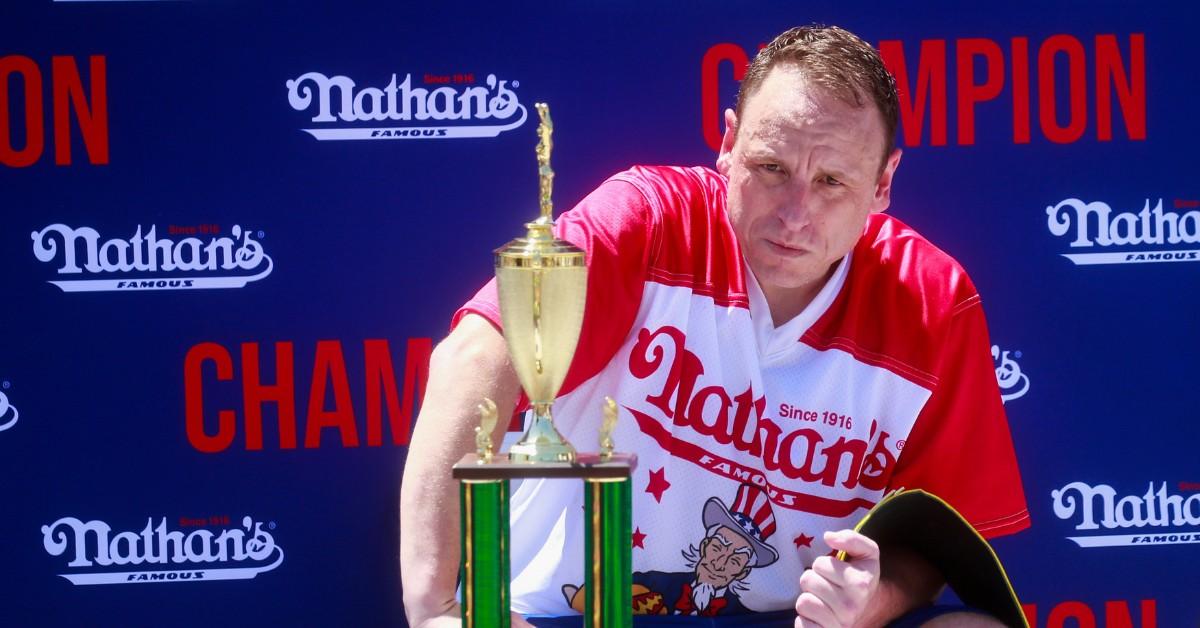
[(329, 373)]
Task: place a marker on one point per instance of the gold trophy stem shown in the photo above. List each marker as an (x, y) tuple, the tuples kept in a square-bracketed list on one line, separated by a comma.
[(542, 442)]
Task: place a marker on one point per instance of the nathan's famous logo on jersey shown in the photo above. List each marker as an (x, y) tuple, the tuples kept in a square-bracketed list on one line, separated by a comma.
[(1157, 517), (438, 109), (8, 412), (787, 443), (214, 550), (148, 260), (1013, 383), (1153, 234)]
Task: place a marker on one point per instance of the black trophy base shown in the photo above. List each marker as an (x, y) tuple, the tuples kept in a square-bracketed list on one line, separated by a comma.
[(587, 466)]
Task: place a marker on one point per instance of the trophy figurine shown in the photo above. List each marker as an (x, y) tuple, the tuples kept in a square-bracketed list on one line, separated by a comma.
[(542, 285)]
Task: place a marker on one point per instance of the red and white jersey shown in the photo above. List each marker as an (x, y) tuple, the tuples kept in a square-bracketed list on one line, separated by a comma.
[(884, 381)]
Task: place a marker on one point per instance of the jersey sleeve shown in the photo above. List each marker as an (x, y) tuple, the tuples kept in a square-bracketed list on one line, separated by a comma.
[(960, 448), (615, 226)]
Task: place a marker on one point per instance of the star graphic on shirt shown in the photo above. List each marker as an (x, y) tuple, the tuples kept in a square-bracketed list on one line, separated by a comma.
[(803, 540), (658, 484), (639, 539)]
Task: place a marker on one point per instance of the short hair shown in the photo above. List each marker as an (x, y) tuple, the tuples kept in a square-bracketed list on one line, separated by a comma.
[(837, 60)]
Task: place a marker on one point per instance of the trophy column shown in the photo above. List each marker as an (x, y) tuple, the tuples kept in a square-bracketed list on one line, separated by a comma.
[(608, 579), (485, 569)]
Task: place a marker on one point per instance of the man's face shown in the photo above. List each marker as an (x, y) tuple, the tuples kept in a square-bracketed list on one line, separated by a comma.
[(724, 557), (803, 171)]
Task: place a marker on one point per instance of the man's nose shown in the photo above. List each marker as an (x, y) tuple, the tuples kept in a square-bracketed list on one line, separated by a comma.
[(794, 208)]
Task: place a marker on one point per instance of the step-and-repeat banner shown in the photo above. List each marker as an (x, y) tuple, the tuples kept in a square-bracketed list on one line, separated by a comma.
[(231, 233)]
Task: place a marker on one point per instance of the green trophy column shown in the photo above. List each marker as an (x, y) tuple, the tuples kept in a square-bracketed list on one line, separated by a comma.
[(485, 568), (608, 562)]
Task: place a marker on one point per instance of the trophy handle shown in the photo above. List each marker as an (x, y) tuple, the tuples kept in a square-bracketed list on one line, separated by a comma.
[(606, 429), (483, 431)]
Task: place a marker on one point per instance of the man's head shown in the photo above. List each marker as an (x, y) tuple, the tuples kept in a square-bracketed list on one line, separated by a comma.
[(809, 153), (725, 555), (833, 59)]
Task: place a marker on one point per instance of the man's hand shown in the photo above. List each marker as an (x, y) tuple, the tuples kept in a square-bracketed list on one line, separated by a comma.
[(836, 593)]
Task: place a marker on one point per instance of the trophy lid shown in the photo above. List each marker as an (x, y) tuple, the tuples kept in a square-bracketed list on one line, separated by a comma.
[(539, 248)]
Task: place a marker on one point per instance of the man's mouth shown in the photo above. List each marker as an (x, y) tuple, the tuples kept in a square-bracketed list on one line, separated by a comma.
[(784, 250)]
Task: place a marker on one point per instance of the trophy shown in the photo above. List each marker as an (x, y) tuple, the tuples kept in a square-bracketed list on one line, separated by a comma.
[(542, 283)]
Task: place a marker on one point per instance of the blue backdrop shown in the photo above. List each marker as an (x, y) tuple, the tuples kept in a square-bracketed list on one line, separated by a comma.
[(325, 182)]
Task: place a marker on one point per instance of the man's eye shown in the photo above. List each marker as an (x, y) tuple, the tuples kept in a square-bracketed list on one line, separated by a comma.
[(771, 168), (828, 180)]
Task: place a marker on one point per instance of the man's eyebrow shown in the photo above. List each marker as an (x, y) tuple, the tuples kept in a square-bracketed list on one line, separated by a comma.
[(841, 174), (717, 536), (760, 152), (842, 170)]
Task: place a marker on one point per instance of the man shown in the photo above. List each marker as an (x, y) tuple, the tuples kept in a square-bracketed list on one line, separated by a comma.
[(763, 324)]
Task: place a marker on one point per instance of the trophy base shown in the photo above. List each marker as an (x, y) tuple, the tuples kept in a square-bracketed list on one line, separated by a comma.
[(587, 466)]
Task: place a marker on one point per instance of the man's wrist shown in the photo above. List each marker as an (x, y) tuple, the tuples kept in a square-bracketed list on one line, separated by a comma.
[(906, 582)]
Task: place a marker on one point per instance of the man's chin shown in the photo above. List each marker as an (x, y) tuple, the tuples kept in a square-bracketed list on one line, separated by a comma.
[(787, 276)]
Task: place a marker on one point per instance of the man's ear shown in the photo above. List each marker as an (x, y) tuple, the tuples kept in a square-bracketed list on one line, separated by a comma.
[(743, 575), (883, 187), (724, 159)]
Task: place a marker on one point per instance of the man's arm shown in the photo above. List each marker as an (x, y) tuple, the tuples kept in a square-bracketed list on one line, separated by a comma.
[(470, 364), (906, 582)]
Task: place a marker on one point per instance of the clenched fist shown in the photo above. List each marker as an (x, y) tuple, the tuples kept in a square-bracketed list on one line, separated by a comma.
[(836, 593)]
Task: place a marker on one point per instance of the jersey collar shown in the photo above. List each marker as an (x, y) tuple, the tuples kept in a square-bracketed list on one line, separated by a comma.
[(775, 341)]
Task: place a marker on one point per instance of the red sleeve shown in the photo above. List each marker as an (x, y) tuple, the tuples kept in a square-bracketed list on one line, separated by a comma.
[(960, 448), (614, 225)]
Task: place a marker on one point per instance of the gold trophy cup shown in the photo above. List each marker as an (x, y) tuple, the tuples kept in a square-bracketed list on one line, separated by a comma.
[(542, 283)]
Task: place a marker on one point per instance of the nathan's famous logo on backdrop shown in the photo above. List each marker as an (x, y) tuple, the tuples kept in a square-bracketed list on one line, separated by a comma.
[(438, 109), (213, 550), (8, 412), (1157, 517), (151, 260), (1047, 83), (1078, 613), (23, 88), (214, 386), (1013, 383), (1153, 234)]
